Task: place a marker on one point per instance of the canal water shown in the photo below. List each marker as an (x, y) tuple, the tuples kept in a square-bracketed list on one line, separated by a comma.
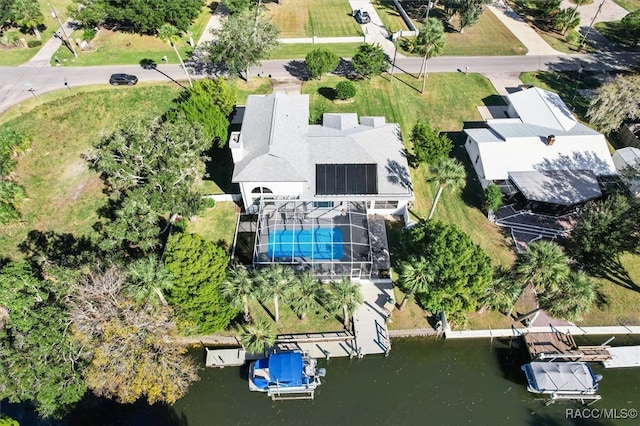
[(423, 381)]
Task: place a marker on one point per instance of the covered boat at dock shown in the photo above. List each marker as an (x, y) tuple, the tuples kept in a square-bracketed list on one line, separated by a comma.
[(286, 375), (562, 380)]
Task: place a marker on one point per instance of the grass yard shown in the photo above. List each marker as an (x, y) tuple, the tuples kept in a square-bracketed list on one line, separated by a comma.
[(10, 56), (299, 51), (308, 18), (62, 193), (389, 15), (216, 224), (474, 40), (291, 323), (630, 5), (120, 48)]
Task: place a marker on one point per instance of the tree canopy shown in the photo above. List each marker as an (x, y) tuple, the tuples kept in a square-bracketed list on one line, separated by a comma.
[(25, 14), (429, 145), (463, 268), (198, 268), (606, 229), (150, 169), (243, 40), (370, 60), (320, 61), (38, 360), (615, 102), (209, 103), (131, 347), (140, 16)]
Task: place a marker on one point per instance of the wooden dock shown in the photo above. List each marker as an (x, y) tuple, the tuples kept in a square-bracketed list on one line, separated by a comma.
[(557, 345)]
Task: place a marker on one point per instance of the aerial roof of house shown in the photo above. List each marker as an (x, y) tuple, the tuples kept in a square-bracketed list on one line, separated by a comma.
[(542, 135), (343, 156)]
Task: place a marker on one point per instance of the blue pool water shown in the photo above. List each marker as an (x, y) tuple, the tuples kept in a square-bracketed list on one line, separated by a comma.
[(319, 243)]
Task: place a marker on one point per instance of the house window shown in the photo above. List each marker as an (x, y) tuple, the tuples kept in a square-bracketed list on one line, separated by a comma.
[(261, 190), (323, 204), (385, 205)]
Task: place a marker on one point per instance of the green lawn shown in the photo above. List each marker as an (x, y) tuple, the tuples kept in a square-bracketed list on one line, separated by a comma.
[(473, 42), (308, 18), (300, 50), (119, 48), (389, 15), (630, 5), (16, 56), (216, 224)]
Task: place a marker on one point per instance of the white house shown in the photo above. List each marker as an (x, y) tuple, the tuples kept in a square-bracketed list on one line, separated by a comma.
[(624, 158), (317, 189), (541, 149), (277, 153)]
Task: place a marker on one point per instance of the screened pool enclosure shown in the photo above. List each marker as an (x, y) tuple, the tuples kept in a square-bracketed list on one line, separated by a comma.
[(330, 239)]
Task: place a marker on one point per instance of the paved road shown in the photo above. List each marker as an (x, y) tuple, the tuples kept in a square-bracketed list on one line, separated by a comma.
[(15, 81)]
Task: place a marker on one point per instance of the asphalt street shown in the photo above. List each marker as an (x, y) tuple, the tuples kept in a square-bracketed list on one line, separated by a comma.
[(20, 83)]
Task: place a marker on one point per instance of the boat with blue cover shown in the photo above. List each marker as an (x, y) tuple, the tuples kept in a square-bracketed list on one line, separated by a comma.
[(286, 375)]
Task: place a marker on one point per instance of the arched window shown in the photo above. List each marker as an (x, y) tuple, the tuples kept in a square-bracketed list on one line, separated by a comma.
[(261, 190)]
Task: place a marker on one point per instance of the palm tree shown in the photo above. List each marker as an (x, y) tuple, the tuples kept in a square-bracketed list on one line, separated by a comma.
[(171, 34), (503, 291), (544, 265), (566, 19), (347, 295), (147, 278), (275, 282), (256, 337), (448, 172), (576, 295), (431, 39), (416, 275), (304, 293), (238, 287)]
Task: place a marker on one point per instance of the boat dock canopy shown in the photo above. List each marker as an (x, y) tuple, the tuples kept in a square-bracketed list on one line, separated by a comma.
[(286, 368)]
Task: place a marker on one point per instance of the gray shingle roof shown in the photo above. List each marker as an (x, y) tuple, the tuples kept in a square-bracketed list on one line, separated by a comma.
[(280, 146)]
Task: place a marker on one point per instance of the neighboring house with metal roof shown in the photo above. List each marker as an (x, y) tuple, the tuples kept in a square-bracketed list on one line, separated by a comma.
[(624, 158), (542, 151), (278, 154)]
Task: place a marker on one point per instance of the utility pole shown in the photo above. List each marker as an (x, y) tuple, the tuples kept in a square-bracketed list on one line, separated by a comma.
[(55, 15), (394, 38), (426, 48), (584, 38)]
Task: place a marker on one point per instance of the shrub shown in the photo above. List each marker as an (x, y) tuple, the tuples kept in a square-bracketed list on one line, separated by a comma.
[(34, 43), (345, 90), (316, 114), (88, 34), (492, 197)]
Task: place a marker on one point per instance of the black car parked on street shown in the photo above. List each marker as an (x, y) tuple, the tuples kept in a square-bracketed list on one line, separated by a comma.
[(118, 79)]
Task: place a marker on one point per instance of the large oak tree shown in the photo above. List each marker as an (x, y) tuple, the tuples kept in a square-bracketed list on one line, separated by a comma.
[(463, 268)]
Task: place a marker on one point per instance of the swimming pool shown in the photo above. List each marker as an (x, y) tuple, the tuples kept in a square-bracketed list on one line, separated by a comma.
[(318, 243)]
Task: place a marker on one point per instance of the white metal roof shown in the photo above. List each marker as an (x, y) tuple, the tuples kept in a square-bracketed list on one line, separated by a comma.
[(520, 144), (561, 187)]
